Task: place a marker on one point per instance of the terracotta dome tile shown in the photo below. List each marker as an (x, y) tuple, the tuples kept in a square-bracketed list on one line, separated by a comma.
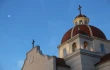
[(83, 29)]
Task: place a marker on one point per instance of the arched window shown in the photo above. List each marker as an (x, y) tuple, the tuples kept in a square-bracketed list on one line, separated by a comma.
[(74, 47), (85, 45), (80, 22)]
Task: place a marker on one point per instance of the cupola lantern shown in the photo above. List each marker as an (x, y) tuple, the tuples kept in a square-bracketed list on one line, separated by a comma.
[(81, 19)]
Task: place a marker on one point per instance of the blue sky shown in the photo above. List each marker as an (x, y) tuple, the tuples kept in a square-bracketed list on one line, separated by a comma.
[(46, 21)]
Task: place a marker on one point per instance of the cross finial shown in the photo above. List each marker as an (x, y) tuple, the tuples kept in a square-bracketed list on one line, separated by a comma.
[(33, 43), (80, 9)]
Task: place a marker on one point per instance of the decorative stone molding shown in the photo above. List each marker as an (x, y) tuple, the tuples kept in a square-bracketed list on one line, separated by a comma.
[(90, 30), (75, 37), (101, 39), (82, 52)]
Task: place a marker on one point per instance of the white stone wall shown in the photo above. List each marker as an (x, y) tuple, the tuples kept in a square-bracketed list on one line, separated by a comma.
[(74, 60), (90, 44), (35, 60), (97, 45), (61, 50), (88, 62), (104, 66), (77, 41), (82, 60), (68, 47), (79, 44)]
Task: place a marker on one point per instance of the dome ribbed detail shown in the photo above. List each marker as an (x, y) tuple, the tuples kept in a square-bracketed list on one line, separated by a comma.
[(83, 29)]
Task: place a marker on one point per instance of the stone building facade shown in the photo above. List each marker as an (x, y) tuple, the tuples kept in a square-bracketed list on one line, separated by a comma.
[(83, 47)]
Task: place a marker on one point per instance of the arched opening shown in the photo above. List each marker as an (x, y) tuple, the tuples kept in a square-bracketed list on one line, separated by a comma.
[(74, 47), (85, 45), (80, 22)]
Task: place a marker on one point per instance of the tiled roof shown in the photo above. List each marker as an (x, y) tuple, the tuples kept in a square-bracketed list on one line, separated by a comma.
[(104, 59), (83, 29), (61, 62)]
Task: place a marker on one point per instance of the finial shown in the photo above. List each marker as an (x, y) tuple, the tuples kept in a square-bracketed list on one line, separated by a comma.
[(80, 9), (33, 43)]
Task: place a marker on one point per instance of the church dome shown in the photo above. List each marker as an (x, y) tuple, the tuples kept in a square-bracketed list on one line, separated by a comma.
[(85, 30), (82, 26)]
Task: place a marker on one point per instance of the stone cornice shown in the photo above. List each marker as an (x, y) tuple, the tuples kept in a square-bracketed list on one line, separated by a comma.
[(101, 39), (75, 37), (71, 55), (82, 52), (86, 37)]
